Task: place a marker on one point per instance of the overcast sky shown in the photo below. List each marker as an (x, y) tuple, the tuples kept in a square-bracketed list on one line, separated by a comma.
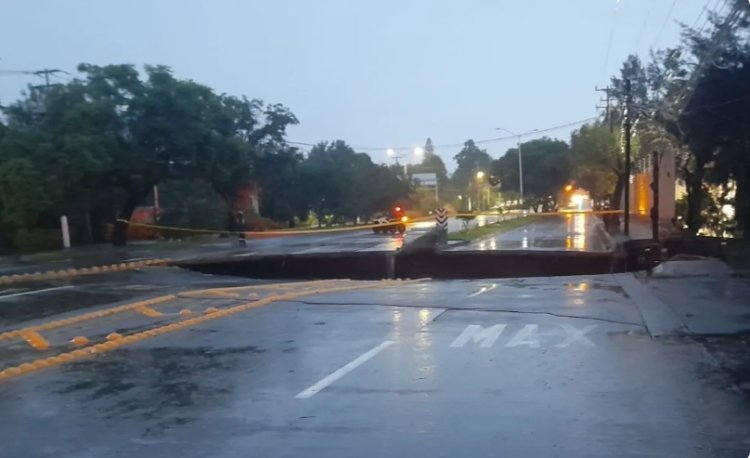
[(386, 73)]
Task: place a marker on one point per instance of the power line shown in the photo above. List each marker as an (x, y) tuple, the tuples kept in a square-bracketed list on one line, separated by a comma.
[(458, 145), (609, 40), (664, 24), (643, 30), (706, 9), (44, 73)]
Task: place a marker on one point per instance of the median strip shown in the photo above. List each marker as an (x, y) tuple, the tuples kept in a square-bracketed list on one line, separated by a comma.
[(499, 227)]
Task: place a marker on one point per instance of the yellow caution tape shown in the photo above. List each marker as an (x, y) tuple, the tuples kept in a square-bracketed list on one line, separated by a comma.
[(283, 232), (277, 233)]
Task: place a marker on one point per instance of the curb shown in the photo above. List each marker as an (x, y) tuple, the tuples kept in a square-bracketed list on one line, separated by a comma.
[(69, 273)]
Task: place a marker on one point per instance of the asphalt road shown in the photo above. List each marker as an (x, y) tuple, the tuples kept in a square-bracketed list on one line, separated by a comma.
[(351, 241), (512, 367), (566, 232)]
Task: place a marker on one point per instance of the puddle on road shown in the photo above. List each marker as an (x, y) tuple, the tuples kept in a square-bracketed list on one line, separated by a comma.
[(169, 386), (546, 285)]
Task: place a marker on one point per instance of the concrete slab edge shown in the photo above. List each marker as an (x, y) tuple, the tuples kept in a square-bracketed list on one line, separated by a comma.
[(658, 318)]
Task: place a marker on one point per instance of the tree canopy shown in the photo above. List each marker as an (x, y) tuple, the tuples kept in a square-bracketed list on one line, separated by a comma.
[(546, 170), (470, 160), (94, 148)]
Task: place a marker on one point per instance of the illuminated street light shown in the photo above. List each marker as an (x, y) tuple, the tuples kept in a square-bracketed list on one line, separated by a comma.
[(390, 152), (480, 175), (419, 151), (568, 188)]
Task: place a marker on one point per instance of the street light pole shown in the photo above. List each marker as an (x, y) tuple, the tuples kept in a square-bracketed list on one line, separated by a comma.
[(520, 171), (520, 158), (418, 152)]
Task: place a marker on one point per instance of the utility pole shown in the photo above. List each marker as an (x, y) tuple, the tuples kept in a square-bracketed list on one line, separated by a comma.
[(46, 72), (628, 126), (606, 91), (655, 160)]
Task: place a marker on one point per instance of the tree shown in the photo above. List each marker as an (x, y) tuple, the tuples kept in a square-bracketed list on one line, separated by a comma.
[(344, 184), (471, 159), (96, 146), (432, 163), (694, 97), (429, 149), (546, 165), (597, 162), (281, 196)]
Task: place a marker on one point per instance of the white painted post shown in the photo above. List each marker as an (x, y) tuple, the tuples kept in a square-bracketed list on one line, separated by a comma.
[(65, 231)]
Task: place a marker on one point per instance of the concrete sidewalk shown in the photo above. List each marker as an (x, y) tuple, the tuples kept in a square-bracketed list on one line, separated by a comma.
[(703, 299), (704, 294)]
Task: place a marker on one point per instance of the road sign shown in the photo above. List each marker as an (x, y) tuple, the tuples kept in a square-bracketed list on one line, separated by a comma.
[(441, 218), (425, 179)]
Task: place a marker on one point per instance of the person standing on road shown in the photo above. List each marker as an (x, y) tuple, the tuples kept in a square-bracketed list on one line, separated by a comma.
[(240, 225)]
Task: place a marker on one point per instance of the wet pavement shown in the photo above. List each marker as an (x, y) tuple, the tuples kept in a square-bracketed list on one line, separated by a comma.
[(564, 232), (559, 366)]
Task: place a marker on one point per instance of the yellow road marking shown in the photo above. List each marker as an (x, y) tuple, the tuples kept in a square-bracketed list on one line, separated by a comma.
[(35, 339), (147, 303), (86, 316), (115, 340), (79, 341), (148, 311)]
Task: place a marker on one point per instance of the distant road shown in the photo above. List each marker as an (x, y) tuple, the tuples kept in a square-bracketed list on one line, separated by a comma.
[(568, 232)]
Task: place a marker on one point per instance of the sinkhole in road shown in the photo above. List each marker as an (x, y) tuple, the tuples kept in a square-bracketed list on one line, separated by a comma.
[(419, 264)]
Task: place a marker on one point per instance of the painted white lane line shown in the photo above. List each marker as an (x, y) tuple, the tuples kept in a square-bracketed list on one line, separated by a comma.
[(36, 291), (342, 371), (483, 289)]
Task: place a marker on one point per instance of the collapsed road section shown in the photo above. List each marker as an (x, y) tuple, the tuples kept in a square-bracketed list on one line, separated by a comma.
[(428, 263)]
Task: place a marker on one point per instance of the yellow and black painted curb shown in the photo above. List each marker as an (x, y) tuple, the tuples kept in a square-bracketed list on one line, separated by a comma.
[(76, 272)]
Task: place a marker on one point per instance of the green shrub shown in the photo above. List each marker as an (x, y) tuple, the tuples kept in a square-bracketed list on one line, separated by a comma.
[(37, 239)]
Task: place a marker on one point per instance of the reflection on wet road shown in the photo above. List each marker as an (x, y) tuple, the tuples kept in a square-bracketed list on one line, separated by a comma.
[(568, 232), (501, 367)]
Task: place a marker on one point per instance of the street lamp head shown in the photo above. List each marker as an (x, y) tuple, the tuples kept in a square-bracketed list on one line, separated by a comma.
[(506, 130), (390, 152), (419, 151), (480, 175)]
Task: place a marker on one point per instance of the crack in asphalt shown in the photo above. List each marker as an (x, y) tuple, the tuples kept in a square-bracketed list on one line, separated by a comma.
[(473, 309)]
